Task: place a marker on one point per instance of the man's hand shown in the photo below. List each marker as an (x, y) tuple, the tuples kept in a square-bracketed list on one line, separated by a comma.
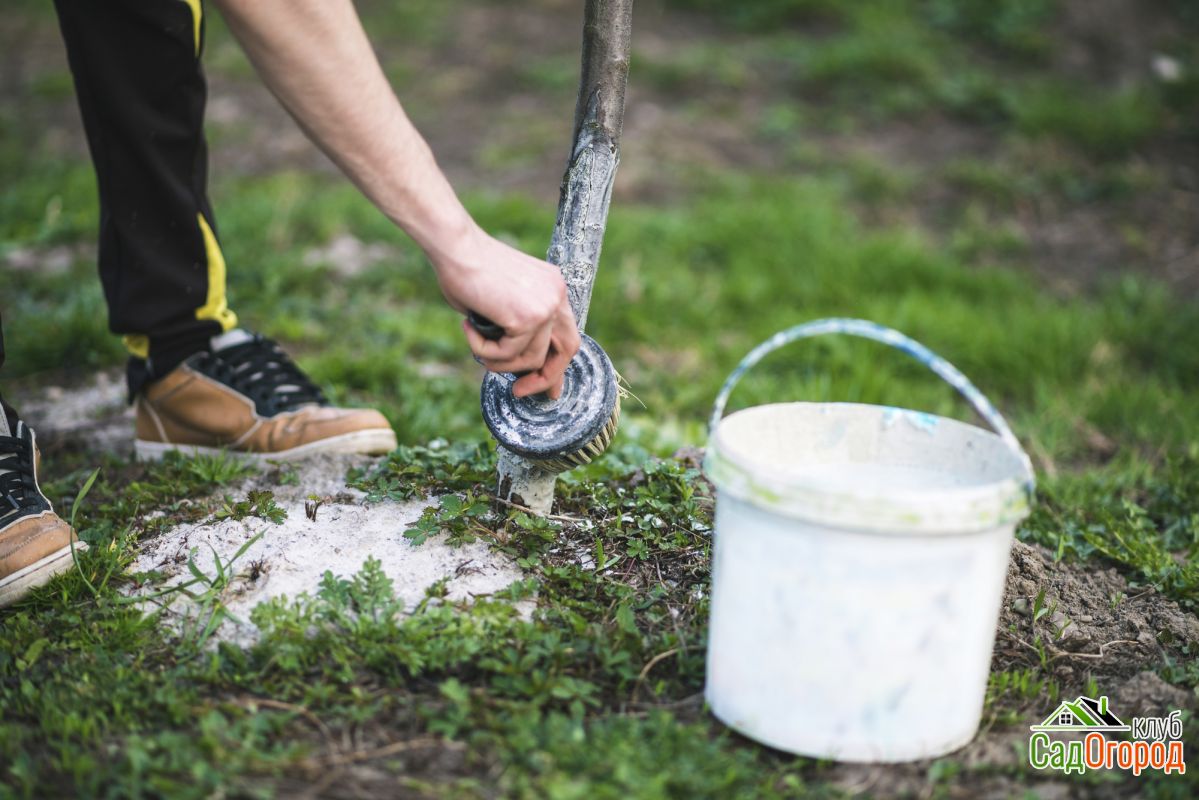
[(315, 57), (521, 294)]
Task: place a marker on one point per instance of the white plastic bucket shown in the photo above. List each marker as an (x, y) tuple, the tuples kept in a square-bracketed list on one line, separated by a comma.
[(859, 559)]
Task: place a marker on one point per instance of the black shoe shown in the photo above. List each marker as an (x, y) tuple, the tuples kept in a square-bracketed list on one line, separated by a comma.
[(35, 543)]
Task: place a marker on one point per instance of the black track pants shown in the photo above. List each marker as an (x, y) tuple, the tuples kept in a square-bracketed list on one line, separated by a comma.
[(141, 92)]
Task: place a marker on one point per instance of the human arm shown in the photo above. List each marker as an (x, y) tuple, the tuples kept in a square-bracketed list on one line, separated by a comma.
[(315, 57)]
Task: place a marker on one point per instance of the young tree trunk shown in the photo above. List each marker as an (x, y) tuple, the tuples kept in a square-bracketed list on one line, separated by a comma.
[(585, 196)]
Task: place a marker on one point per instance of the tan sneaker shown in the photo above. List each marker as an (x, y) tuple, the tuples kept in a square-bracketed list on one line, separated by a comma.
[(35, 544), (247, 397)]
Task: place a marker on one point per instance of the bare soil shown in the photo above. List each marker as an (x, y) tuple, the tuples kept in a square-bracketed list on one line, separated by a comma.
[(1096, 626)]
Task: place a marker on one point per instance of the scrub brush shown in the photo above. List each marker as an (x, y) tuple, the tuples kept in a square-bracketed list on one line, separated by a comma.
[(556, 435)]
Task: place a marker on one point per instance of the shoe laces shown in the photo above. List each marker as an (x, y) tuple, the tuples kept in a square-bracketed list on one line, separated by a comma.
[(259, 369), (19, 494)]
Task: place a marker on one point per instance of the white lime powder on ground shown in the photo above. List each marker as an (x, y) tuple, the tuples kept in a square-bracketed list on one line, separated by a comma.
[(294, 555)]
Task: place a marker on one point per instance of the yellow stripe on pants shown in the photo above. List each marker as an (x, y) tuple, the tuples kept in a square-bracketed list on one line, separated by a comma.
[(197, 19), (217, 306)]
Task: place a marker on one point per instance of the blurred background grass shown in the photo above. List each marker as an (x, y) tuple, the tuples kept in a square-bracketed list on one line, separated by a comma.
[(1012, 183)]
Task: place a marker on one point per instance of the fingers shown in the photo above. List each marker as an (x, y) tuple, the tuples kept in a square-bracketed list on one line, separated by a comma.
[(535, 383), (548, 378), (531, 359), (539, 338), (568, 332), (495, 355), (564, 343)]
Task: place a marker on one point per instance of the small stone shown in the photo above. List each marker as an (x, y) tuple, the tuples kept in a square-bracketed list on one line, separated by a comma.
[(1076, 639), (1020, 606)]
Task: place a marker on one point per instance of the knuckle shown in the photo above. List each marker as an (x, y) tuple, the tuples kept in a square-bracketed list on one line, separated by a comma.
[(559, 290)]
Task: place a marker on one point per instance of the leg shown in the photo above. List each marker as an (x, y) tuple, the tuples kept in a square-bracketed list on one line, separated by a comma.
[(141, 93), (199, 382)]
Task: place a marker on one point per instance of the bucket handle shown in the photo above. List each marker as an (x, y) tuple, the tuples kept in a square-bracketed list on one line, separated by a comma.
[(893, 338)]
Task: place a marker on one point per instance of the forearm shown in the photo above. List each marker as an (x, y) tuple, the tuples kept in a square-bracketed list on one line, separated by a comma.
[(315, 57)]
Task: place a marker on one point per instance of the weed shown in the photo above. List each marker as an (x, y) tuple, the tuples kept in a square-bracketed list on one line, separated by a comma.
[(210, 611), (1011, 694), (463, 518), (259, 504), (436, 467), (312, 505)]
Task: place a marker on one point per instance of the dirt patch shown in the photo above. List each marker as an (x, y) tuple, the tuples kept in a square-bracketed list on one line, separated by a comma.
[(47, 260), (1093, 623), (347, 255)]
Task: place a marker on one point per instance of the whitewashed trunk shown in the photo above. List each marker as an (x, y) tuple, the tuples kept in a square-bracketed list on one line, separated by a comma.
[(583, 203)]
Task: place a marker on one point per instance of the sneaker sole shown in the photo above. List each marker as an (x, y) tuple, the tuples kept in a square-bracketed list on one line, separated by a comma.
[(370, 442), (17, 585)]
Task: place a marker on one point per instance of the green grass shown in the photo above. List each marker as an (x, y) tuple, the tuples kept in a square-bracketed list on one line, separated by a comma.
[(692, 288), (972, 60), (99, 698), (598, 695), (1103, 123)]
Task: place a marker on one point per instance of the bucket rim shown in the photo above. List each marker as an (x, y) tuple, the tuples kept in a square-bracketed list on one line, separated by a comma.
[(907, 512), (866, 329)]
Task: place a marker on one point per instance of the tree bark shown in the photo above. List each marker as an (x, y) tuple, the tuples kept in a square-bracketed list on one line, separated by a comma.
[(584, 199)]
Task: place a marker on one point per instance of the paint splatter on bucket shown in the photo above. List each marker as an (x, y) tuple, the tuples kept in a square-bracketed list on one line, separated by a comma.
[(859, 559)]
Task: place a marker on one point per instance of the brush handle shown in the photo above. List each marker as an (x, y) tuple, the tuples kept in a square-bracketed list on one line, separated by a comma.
[(486, 328)]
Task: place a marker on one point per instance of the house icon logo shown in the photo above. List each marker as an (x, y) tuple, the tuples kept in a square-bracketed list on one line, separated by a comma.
[(1156, 742), (1082, 714)]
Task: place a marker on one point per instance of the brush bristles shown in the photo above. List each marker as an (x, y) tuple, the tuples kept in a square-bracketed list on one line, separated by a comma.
[(592, 449)]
